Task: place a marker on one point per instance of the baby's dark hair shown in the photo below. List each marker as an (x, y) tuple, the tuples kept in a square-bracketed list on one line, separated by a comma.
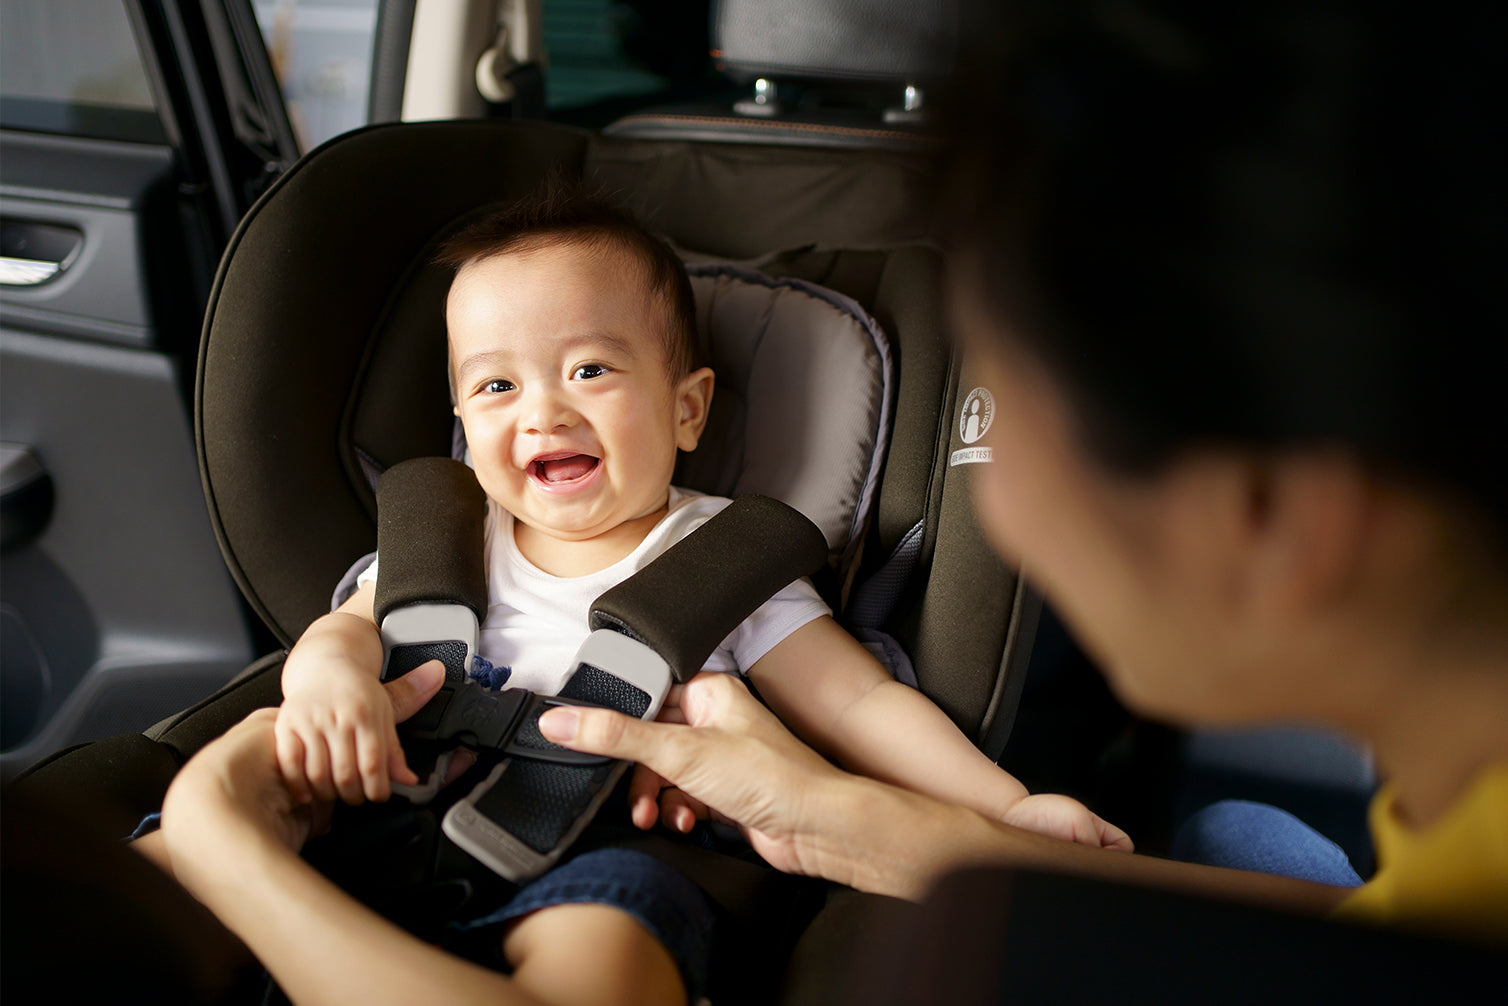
[(1272, 224), (561, 212)]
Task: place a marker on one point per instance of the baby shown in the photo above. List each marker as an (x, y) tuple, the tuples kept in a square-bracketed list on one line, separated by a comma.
[(572, 366)]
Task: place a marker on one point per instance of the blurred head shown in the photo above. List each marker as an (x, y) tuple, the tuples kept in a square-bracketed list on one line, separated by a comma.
[(1258, 239)]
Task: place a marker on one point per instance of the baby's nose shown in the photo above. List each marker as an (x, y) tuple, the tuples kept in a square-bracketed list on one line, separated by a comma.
[(547, 409)]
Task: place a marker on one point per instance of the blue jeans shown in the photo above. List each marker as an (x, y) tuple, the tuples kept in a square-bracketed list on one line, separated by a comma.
[(1243, 835), (669, 905)]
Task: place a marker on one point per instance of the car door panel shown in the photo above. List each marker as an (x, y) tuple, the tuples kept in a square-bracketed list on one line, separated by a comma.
[(120, 606), (116, 608)]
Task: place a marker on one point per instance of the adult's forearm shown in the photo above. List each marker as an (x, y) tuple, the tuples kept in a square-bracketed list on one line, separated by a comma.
[(888, 841), (805, 816), (324, 947), (230, 829)]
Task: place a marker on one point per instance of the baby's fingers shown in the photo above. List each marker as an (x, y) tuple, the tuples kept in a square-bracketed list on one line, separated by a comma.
[(397, 765), (291, 759), (317, 767), (345, 764), (373, 759)]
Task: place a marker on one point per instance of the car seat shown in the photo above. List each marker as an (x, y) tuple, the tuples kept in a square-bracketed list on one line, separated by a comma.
[(323, 362)]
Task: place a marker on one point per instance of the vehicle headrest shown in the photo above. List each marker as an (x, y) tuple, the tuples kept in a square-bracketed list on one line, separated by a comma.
[(884, 40)]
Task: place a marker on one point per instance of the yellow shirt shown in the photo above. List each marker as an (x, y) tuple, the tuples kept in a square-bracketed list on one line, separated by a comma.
[(1450, 878)]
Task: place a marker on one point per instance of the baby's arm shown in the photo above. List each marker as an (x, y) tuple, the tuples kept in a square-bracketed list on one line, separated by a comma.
[(336, 733), (827, 688)]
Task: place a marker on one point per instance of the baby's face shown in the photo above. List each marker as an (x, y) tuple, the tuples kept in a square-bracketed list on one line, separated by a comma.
[(561, 385)]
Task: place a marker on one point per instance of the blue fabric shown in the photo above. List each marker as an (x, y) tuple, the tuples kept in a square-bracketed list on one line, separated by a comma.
[(669, 905), (1258, 837), (148, 824)]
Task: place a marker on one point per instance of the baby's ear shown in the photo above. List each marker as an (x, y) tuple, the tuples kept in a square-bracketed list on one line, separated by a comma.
[(693, 401)]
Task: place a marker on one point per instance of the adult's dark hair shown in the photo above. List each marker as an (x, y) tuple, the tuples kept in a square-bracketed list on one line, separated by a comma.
[(564, 212), (1263, 223)]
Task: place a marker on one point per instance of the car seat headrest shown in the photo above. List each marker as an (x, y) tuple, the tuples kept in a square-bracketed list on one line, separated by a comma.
[(882, 40)]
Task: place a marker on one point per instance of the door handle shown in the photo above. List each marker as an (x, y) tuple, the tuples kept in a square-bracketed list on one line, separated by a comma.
[(33, 253)]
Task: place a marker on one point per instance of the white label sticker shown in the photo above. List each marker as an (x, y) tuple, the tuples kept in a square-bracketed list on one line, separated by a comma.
[(976, 416), (971, 456)]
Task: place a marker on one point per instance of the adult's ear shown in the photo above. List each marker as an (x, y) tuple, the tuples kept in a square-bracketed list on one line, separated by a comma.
[(1262, 535), (693, 402), (1311, 515)]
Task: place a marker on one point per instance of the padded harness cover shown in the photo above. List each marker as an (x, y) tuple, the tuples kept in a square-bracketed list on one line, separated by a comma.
[(687, 600), (431, 517)]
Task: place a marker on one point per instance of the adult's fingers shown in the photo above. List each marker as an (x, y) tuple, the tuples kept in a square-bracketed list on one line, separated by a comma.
[(667, 748), (1112, 837), (410, 692), (732, 755), (604, 732), (679, 810), (644, 796), (716, 756)]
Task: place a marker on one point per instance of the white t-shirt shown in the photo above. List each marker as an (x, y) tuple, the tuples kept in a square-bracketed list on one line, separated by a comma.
[(535, 621)]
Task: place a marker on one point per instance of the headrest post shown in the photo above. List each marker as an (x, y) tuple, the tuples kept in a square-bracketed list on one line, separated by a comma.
[(912, 107), (765, 103)]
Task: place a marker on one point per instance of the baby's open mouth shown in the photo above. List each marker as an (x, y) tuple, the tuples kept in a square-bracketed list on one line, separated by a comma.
[(563, 467)]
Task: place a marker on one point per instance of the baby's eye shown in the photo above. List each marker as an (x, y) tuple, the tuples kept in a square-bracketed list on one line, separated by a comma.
[(588, 371), (497, 386)]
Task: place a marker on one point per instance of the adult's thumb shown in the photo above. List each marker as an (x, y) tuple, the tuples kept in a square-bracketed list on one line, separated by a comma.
[(409, 692), (597, 731)]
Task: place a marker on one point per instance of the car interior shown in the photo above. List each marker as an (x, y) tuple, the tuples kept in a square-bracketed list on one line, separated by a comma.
[(233, 339)]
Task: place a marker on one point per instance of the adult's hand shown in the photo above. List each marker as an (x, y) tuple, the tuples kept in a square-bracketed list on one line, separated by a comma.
[(232, 828), (798, 811), (731, 754), (231, 796)]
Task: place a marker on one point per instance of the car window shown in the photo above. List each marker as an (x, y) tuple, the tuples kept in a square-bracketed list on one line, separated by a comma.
[(609, 57), (321, 51), (71, 66), (588, 45), (601, 54)]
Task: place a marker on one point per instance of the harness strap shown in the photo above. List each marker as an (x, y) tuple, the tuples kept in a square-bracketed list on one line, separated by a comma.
[(662, 623), (685, 602)]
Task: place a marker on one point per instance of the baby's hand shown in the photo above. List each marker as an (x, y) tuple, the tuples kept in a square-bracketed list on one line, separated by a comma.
[(337, 734), (1066, 818)]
